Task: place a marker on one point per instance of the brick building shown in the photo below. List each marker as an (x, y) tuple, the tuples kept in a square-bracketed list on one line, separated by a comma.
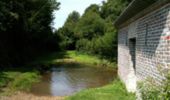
[(143, 41)]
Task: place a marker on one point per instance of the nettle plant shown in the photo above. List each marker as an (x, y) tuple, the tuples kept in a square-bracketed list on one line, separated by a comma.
[(152, 90)]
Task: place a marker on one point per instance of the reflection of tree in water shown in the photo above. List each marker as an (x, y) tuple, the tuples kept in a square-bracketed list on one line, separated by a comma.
[(80, 77)]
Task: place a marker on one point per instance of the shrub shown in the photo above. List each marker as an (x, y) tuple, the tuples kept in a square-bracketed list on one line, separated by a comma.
[(105, 46), (150, 90), (24, 81)]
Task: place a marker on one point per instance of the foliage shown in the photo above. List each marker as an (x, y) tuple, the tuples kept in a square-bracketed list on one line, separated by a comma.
[(67, 31), (90, 59), (112, 8), (151, 90), (93, 8), (104, 46), (24, 81), (79, 57), (94, 31), (17, 80), (90, 25), (114, 91), (25, 30)]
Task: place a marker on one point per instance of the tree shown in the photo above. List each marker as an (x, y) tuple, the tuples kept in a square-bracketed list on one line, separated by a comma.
[(67, 31), (93, 32), (91, 24), (112, 8), (25, 29), (95, 29)]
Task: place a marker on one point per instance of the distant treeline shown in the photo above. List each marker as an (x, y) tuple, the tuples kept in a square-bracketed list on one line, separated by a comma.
[(25, 30), (93, 32)]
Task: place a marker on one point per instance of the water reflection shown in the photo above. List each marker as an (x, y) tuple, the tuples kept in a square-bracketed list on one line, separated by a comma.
[(67, 80)]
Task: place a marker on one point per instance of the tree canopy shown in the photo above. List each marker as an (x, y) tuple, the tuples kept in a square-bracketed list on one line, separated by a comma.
[(67, 32), (94, 32), (25, 29)]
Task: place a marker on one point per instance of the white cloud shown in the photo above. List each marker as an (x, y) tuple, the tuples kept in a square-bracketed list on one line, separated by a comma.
[(67, 6)]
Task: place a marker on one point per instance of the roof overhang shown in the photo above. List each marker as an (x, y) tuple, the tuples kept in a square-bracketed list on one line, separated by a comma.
[(135, 7)]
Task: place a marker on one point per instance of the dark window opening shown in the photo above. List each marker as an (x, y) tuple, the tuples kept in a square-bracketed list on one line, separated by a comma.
[(132, 46)]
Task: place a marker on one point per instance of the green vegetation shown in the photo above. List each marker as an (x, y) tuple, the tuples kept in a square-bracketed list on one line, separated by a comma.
[(26, 33), (114, 91), (25, 30), (90, 59), (151, 90), (12, 81), (66, 33), (93, 32), (24, 81)]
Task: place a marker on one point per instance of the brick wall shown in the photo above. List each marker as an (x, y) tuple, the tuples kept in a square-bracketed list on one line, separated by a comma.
[(152, 43), (152, 33)]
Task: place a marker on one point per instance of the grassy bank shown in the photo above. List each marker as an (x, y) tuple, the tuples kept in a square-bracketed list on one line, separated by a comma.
[(17, 80), (90, 59), (114, 91)]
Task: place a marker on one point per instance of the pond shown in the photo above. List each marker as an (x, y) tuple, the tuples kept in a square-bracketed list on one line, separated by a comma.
[(68, 79)]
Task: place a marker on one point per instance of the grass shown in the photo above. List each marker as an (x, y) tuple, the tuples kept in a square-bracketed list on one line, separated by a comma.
[(90, 59), (114, 91), (13, 81)]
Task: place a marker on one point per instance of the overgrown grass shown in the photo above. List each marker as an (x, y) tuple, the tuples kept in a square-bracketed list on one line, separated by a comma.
[(151, 90), (90, 59), (24, 81), (114, 91), (13, 81)]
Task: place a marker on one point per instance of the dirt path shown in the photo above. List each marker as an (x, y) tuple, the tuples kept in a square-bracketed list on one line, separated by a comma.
[(26, 96)]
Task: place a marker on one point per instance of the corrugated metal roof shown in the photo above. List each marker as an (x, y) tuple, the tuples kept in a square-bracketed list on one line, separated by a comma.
[(133, 9)]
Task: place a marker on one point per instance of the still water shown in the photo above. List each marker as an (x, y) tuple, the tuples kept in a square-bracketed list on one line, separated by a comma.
[(68, 79)]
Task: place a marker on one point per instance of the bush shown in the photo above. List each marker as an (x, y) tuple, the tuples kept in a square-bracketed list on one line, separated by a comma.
[(150, 90), (105, 46), (24, 81)]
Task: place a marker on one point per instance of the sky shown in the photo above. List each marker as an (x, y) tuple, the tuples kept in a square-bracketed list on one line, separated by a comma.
[(68, 6)]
